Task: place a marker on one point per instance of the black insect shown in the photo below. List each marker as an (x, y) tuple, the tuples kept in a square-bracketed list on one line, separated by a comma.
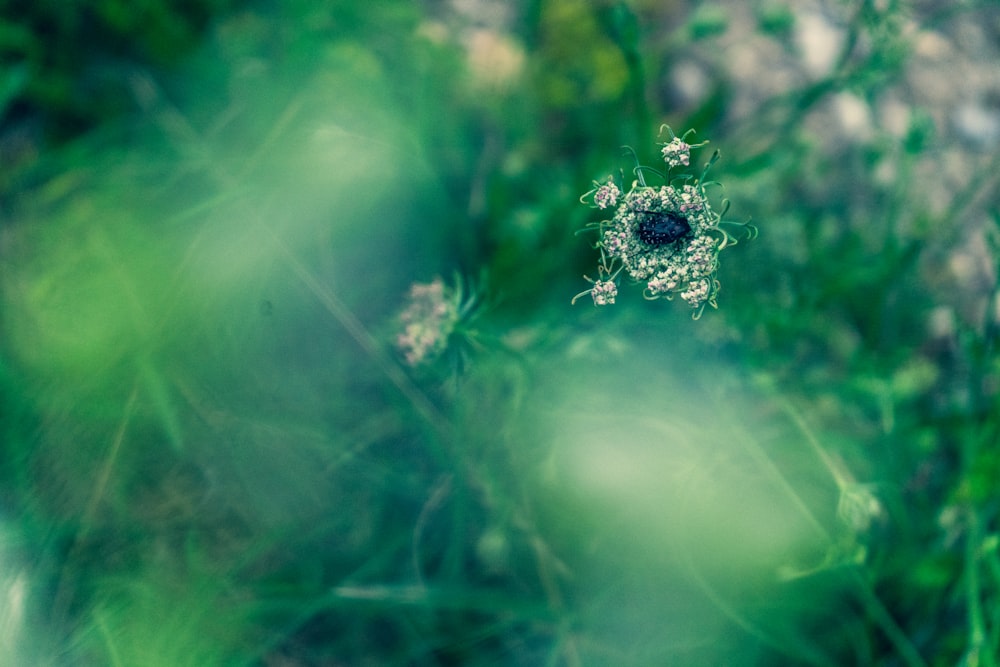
[(662, 227)]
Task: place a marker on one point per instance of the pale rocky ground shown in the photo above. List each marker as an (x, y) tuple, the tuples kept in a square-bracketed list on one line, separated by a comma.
[(950, 75)]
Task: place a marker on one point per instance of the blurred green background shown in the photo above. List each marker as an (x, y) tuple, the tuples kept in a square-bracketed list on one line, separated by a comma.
[(213, 454)]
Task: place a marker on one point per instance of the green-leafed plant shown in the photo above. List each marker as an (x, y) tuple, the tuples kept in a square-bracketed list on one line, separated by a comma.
[(243, 423)]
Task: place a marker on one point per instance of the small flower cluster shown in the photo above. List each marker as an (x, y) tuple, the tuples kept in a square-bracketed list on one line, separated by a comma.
[(604, 292), (677, 153), (427, 322), (607, 195), (437, 316), (667, 236)]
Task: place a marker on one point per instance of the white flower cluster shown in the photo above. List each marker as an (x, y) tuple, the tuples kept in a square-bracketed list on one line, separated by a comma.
[(685, 265), (604, 292), (677, 153), (666, 237), (607, 195), (427, 321)]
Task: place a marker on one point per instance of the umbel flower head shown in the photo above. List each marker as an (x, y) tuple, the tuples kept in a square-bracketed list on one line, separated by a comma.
[(435, 314), (666, 237), (427, 322)]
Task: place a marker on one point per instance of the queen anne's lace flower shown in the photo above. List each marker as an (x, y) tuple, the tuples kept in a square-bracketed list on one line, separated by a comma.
[(677, 153), (696, 293), (665, 267), (667, 237), (607, 195), (604, 292), (427, 321)]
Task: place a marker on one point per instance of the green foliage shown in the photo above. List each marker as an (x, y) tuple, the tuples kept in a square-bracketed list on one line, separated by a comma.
[(74, 59), (775, 19), (215, 452)]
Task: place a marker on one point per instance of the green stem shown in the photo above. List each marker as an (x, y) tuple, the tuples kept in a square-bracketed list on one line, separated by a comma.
[(874, 607), (978, 652)]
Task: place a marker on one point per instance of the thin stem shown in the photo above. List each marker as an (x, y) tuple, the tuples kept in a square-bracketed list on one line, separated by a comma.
[(978, 652), (874, 606)]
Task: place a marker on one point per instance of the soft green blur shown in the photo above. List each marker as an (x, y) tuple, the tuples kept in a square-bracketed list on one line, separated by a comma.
[(181, 314), (683, 524)]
